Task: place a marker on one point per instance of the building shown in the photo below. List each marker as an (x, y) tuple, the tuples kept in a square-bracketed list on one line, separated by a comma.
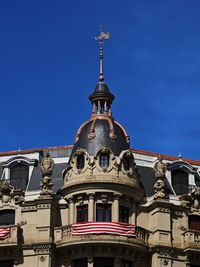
[(98, 203)]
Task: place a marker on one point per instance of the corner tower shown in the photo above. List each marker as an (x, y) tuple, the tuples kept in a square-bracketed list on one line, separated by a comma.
[(101, 161)]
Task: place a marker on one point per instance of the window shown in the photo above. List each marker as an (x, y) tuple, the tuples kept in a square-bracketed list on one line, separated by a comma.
[(125, 263), (80, 262), (103, 213), (123, 214), (19, 176), (126, 163), (103, 262), (180, 182), (8, 263), (80, 163), (194, 222), (104, 160), (7, 217), (82, 213)]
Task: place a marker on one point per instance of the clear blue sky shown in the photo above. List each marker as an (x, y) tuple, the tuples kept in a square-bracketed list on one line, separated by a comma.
[(49, 66)]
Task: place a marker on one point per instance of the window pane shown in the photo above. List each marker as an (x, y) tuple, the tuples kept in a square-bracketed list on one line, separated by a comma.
[(8, 263), (126, 164), (19, 176), (103, 262), (80, 263), (124, 214), (82, 213), (7, 217), (103, 213), (125, 263), (104, 160), (194, 223), (80, 162), (180, 182)]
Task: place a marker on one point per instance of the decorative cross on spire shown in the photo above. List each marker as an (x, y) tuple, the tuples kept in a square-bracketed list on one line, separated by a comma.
[(102, 36)]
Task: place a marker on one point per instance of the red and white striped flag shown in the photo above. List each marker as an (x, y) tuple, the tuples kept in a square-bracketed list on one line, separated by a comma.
[(111, 228), (4, 232)]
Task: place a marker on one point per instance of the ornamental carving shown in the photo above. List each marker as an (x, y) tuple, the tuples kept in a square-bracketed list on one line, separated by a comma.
[(195, 197), (47, 165), (191, 200), (5, 192), (159, 185), (46, 185), (159, 169), (8, 193)]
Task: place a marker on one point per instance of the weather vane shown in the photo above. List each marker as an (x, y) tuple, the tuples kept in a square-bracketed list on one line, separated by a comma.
[(102, 36)]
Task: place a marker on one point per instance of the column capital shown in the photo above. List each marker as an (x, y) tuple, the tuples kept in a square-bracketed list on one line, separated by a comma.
[(90, 195), (117, 196)]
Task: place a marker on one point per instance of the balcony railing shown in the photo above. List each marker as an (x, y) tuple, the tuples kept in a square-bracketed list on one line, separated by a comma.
[(191, 239), (13, 238), (64, 234)]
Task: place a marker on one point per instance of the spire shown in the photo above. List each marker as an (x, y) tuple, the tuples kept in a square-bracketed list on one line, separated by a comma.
[(102, 36), (101, 98)]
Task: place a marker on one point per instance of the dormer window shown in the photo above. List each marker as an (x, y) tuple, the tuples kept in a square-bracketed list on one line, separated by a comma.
[(180, 182), (19, 174), (80, 162), (104, 161)]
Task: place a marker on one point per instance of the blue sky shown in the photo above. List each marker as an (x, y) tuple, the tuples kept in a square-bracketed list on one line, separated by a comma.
[(49, 66)]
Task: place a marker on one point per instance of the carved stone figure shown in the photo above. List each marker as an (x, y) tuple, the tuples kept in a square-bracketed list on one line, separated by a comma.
[(159, 189), (159, 169), (159, 185), (5, 191), (46, 165), (195, 196)]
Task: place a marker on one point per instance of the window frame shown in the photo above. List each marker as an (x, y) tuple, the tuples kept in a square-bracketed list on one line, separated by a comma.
[(122, 218), (106, 212), (82, 213), (80, 162), (14, 181), (104, 160)]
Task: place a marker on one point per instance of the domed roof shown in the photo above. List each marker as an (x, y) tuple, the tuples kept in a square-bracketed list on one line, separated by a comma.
[(99, 132)]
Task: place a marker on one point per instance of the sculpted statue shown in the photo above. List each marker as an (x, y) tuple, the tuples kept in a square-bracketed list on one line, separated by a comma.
[(195, 195), (5, 191), (159, 169), (46, 166), (159, 185)]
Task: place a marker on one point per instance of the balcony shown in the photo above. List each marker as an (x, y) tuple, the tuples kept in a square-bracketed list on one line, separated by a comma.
[(64, 237), (13, 237), (191, 240)]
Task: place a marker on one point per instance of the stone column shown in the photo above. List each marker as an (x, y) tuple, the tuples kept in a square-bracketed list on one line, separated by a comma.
[(115, 216), (132, 217), (91, 207), (90, 262), (71, 210)]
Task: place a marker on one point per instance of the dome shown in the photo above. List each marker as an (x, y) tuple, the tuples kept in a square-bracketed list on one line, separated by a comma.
[(99, 132)]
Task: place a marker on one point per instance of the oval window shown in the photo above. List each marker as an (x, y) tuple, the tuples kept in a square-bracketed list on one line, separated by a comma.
[(80, 162), (104, 160)]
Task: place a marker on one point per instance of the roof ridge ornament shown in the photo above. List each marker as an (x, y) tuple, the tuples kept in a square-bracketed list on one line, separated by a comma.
[(102, 36)]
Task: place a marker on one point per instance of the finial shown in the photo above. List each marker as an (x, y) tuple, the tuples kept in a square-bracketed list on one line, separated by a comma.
[(102, 36)]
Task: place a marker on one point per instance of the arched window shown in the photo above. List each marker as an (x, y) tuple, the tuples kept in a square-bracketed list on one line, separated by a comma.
[(19, 176), (80, 162), (104, 160), (126, 163), (180, 182)]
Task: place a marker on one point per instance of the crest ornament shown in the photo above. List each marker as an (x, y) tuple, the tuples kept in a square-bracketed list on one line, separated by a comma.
[(46, 166)]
